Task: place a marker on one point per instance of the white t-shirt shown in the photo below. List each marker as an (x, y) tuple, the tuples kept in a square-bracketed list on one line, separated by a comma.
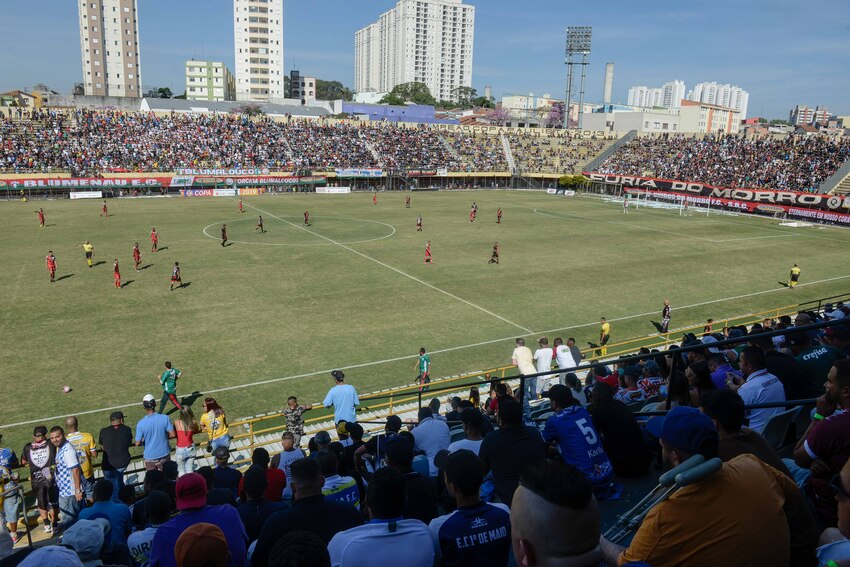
[(564, 357), (761, 387), (524, 360), (543, 356), (431, 436), (378, 543), (473, 446), (286, 460), (140, 546)]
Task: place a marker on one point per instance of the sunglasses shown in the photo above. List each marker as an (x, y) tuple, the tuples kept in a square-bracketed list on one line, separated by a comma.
[(837, 487)]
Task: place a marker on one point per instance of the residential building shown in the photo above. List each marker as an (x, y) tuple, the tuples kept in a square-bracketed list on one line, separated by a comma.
[(805, 115), (302, 88), (258, 47), (725, 95), (426, 41), (109, 46), (209, 80), (616, 118), (672, 94), (19, 99), (708, 118), (645, 97)]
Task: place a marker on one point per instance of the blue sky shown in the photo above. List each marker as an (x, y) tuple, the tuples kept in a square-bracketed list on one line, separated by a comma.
[(783, 52)]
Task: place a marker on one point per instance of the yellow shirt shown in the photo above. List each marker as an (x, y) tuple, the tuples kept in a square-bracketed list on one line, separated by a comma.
[(84, 444), (88, 247), (795, 271), (215, 426), (606, 329)]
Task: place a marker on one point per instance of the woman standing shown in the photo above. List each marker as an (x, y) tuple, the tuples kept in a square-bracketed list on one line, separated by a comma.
[(185, 426), (215, 424)]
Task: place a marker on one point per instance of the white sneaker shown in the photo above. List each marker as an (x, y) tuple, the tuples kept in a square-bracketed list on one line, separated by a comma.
[(48, 529)]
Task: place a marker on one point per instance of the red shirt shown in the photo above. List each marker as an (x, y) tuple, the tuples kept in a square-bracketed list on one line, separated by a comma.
[(154, 236), (276, 480), (51, 262), (136, 253), (115, 267), (41, 216)]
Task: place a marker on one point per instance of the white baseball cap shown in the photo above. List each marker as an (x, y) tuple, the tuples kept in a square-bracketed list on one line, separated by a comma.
[(148, 398)]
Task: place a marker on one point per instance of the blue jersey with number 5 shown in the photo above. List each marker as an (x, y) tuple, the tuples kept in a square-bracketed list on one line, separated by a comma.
[(580, 445)]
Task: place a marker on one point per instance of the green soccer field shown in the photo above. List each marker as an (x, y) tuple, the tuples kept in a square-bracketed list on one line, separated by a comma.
[(270, 315)]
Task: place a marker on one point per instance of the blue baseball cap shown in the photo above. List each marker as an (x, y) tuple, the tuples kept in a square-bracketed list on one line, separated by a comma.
[(683, 428)]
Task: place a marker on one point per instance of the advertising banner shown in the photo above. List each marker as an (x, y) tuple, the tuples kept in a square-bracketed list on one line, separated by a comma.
[(250, 190), (218, 171), (86, 194), (422, 173), (350, 172), (196, 192), (89, 183), (224, 192), (333, 190)]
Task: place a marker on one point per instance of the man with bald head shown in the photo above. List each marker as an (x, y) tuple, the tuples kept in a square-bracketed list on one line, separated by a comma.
[(555, 518), (86, 450)]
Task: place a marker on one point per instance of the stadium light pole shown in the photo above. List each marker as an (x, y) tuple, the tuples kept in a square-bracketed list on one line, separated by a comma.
[(578, 43)]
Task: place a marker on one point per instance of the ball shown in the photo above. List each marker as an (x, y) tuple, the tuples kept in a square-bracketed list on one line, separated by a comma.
[(66, 389)]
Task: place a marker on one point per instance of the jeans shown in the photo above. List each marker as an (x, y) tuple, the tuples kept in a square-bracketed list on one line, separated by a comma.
[(223, 441), (11, 505), (69, 510), (185, 457), (88, 487), (530, 390), (116, 477)]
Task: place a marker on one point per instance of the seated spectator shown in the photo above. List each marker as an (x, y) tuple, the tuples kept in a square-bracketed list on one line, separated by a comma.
[(453, 415), (629, 392), (53, 555), (337, 488), (216, 496), (476, 533), (486, 424), (507, 451), (434, 405), (759, 386), (834, 543), (310, 511), (159, 507), (726, 410), (385, 539), (320, 442), (118, 515), (225, 476), (285, 458), (86, 538), (572, 382), (375, 447), (650, 381), (300, 549), (746, 501), (346, 463), (191, 495), (202, 545), (619, 432), (784, 367), (255, 509), (815, 360), (838, 337), (139, 511), (431, 436), (555, 518), (420, 491), (275, 477), (721, 371), (699, 380), (471, 419)]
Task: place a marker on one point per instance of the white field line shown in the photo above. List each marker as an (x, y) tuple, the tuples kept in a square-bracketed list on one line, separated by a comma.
[(396, 270), (449, 349), (208, 235)]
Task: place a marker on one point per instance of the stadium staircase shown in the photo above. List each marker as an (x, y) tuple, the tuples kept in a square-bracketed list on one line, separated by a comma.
[(372, 150), (509, 154), (600, 159), (451, 149), (839, 182)]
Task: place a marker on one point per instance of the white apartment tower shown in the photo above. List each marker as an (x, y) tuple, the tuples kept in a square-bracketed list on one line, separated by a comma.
[(427, 41), (725, 95), (258, 47), (109, 45), (672, 94), (646, 97)]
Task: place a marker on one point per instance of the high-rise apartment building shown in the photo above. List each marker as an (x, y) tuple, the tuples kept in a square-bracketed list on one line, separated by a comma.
[(645, 97), (672, 94), (258, 47), (803, 115), (426, 41), (209, 80), (725, 95), (109, 45)]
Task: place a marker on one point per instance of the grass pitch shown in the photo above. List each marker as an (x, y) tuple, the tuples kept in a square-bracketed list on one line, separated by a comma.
[(271, 314)]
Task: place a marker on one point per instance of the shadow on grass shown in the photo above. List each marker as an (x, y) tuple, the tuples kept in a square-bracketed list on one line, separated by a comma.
[(657, 326), (190, 399), (96, 264), (145, 267), (125, 284), (161, 249), (65, 277), (783, 284)]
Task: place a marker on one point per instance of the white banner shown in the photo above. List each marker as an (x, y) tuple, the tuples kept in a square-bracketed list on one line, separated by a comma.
[(569, 193), (551, 190), (224, 192), (334, 190), (86, 194)]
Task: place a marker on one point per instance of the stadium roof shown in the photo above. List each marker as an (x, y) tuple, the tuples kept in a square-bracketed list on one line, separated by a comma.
[(229, 107)]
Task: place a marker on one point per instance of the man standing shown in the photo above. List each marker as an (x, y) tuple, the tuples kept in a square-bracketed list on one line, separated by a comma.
[(499, 216), (423, 364), (40, 455), (794, 277), (260, 225), (154, 239), (543, 360), (564, 359), (428, 259), (760, 386), (432, 436), (168, 381), (176, 278), (50, 260), (494, 257), (604, 336), (116, 272), (419, 223), (41, 217), (137, 256), (115, 442), (574, 350), (104, 212), (153, 431), (665, 317), (343, 398), (89, 251), (86, 451), (240, 205), (306, 218), (407, 202), (223, 235), (69, 479), (524, 362)]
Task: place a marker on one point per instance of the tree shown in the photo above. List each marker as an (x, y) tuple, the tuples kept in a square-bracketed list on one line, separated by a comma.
[(555, 116), (181, 97), (391, 99), (779, 122), (572, 181), (164, 92), (464, 96), (499, 116), (414, 92), (249, 109), (332, 90), (483, 102)]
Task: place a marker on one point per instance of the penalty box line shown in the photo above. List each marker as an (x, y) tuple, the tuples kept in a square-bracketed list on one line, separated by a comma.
[(413, 356)]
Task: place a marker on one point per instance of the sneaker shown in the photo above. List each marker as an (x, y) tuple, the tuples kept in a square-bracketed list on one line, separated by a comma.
[(48, 529), (15, 537)]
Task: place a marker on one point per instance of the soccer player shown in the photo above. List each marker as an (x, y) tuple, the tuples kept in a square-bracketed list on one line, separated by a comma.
[(50, 260), (175, 276), (260, 225), (795, 277), (104, 212), (154, 239), (306, 218), (604, 335), (137, 256), (494, 258), (665, 316), (89, 250), (499, 216), (423, 365), (472, 214), (407, 202), (625, 204), (116, 273), (374, 198), (428, 253), (223, 235), (240, 205), (168, 381), (419, 223), (40, 213)]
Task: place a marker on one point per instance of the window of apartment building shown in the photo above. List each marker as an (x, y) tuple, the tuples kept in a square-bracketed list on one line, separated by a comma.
[(98, 85), (94, 17), (126, 9), (94, 29), (97, 63), (131, 76)]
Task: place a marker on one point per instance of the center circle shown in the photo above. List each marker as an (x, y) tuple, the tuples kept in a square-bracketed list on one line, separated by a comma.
[(322, 232)]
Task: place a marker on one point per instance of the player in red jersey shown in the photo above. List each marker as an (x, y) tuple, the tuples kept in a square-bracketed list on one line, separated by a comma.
[(223, 235), (499, 216), (154, 239), (103, 210), (407, 202), (306, 218), (374, 198), (40, 217), (428, 253), (419, 223), (116, 273), (471, 215), (494, 258), (175, 276), (137, 256), (50, 259), (240, 205)]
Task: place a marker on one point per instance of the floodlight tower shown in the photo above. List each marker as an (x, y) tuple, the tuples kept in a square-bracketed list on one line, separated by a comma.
[(578, 43)]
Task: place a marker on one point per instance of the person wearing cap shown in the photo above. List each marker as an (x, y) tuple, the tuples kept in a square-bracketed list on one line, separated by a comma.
[(476, 533), (555, 519), (255, 509), (387, 538), (53, 555), (375, 447), (115, 442), (69, 478), (202, 545), (523, 359), (571, 429), (735, 516), (40, 456), (342, 398), (118, 514), (650, 382), (153, 431), (283, 461), (225, 476), (86, 451), (310, 511), (431, 436), (191, 496), (760, 386)]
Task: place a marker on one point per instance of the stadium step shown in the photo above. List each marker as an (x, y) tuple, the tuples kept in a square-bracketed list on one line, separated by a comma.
[(509, 154), (450, 148)]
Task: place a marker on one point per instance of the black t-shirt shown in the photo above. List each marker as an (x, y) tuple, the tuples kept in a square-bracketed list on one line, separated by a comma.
[(508, 451), (621, 438), (787, 369), (255, 513), (39, 457), (116, 441), (420, 497)]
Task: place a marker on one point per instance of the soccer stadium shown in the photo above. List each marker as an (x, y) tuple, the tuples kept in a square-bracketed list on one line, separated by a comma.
[(259, 337)]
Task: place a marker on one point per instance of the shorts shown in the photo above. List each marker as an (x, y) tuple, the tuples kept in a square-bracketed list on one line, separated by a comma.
[(175, 280), (794, 278), (46, 496), (604, 340), (11, 505), (156, 463), (88, 254)]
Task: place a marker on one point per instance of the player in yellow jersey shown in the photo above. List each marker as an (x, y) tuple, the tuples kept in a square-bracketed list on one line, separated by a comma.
[(795, 277), (89, 250), (604, 335)]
